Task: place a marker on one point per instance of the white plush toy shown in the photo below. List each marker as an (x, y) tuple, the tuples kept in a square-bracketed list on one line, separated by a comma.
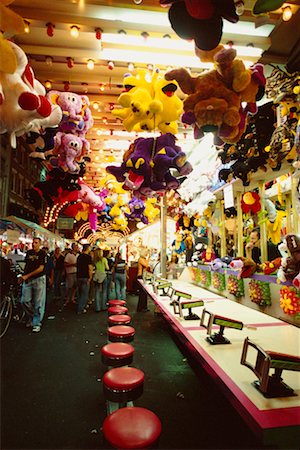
[(23, 98)]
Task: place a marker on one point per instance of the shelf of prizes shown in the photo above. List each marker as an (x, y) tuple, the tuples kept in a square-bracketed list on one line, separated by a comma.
[(260, 292)]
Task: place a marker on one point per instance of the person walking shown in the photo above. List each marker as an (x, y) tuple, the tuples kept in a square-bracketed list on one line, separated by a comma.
[(101, 266), (59, 272), (70, 263), (84, 275), (34, 285), (119, 275)]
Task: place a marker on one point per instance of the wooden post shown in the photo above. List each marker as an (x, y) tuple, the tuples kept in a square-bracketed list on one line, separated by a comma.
[(294, 183), (240, 243), (263, 227), (288, 207), (223, 230), (163, 236)]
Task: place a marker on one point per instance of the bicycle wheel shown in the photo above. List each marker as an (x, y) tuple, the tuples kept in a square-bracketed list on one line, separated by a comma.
[(5, 315)]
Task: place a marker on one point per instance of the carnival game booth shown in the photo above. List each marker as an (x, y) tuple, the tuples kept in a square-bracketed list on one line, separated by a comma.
[(227, 339)]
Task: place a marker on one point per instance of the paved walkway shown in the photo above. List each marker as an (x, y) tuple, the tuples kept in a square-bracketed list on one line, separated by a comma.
[(51, 390)]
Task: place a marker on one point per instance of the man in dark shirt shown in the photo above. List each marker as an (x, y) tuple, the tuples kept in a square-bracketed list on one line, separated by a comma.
[(34, 284), (253, 248), (84, 276)]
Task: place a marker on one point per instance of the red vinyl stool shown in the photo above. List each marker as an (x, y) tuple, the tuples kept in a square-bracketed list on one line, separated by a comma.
[(117, 354), (132, 427), (120, 333), (117, 310), (116, 302), (119, 319), (121, 386)]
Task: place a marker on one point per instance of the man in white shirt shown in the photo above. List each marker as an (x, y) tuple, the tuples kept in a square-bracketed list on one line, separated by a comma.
[(70, 263)]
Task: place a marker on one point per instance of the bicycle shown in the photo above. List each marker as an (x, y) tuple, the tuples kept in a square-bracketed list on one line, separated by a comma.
[(10, 306)]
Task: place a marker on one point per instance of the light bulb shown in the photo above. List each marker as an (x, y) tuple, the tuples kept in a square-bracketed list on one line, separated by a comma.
[(130, 67), (90, 64), (96, 106), (26, 26), (286, 13), (74, 31), (48, 84), (49, 60)]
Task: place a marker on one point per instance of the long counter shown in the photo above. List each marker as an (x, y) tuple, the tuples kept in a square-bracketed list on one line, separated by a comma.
[(275, 420)]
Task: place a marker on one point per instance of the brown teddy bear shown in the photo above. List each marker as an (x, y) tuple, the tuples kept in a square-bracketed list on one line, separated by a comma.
[(214, 97)]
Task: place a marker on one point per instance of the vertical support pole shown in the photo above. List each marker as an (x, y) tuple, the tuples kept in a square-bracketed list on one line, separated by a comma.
[(263, 227), (240, 243), (163, 236), (223, 230), (294, 202), (288, 207)]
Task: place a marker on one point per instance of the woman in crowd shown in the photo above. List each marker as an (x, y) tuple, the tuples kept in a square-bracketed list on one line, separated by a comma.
[(109, 275), (172, 267), (143, 264), (101, 266), (119, 275)]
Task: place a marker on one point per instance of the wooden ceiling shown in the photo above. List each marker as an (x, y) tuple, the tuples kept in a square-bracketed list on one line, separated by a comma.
[(103, 85)]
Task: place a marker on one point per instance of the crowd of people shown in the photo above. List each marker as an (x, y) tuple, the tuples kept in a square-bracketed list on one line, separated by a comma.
[(83, 276)]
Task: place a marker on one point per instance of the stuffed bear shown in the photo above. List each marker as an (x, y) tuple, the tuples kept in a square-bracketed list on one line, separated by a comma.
[(290, 266), (215, 97)]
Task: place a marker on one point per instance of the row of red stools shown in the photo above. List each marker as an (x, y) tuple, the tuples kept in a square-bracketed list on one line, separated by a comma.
[(126, 426)]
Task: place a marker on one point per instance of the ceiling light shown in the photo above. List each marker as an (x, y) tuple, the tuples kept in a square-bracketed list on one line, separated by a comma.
[(48, 84), (110, 65), (286, 13), (96, 106), (26, 26), (137, 2), (49, 60), (130, 67), (90, 64), (74, 31)]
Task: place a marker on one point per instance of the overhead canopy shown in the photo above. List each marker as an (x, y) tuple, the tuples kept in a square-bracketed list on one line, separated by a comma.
[(6, 224), (33, 228)]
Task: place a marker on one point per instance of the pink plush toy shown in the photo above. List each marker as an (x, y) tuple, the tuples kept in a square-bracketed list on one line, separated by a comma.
[(77, 117), (68, 147)]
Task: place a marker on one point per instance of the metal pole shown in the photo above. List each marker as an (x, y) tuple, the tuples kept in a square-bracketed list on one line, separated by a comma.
[(163, 236), (240, 243), (263, 226), (223, 231)]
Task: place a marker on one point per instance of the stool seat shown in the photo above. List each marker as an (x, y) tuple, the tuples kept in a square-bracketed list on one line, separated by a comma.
[(117, 310), (116, 302), (123, 384), (120, 333), (132, 427), (119, 319), (117, 354), (123, 378)]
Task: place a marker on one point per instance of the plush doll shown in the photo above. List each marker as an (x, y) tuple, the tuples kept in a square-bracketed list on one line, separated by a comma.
[(208, 255), (201, 21), (68, 147), (246, 266), (290, 266), (76, 116), (149, 104), (178, 244), (151, 212), (137, 208), (215, 97), (22, 97), (151, 159), (216, 264), (271, 267)]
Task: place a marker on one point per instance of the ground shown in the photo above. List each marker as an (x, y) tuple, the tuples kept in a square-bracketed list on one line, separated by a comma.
[(51, 390)]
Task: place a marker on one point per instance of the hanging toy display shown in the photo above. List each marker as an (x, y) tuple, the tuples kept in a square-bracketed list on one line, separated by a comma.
[(290, 300), (218, 281), (235, 286), (250, 202), (149, 103), (259, 293)]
